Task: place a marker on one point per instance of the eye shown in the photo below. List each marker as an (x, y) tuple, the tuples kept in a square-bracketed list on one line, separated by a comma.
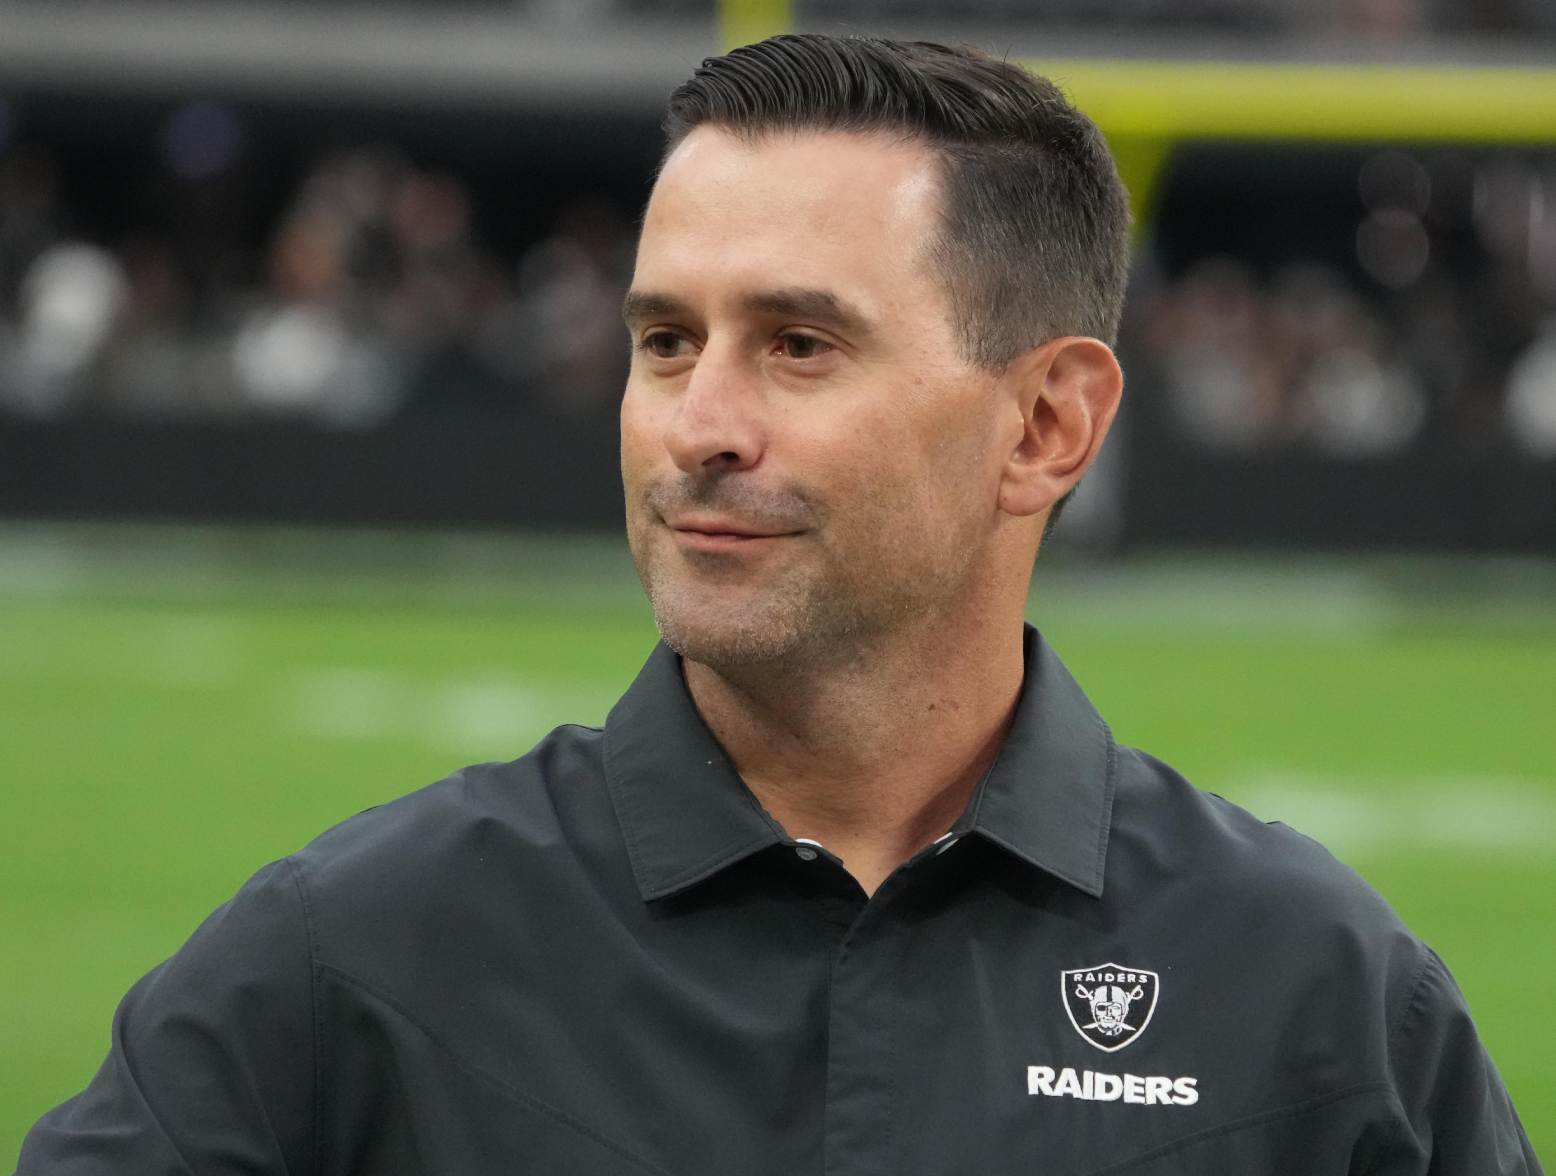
[(662, 344), (794, 345)]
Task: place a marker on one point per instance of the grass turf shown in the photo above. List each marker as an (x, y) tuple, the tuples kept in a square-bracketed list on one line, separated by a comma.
[(182, 706)]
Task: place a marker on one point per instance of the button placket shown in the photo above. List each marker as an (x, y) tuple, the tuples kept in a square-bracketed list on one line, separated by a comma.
[(861, 1063)]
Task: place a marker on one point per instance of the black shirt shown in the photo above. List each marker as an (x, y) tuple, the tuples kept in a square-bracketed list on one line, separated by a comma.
[(606, 958)]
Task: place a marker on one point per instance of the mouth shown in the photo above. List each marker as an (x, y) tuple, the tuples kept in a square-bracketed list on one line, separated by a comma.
[(717, 534)]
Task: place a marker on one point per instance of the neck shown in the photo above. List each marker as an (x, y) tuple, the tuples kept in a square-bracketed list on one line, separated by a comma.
[(876, 755)]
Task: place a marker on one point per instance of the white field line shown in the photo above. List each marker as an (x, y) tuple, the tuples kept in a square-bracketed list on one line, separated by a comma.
[(1487, 814), (1308, 601), (498, 717)]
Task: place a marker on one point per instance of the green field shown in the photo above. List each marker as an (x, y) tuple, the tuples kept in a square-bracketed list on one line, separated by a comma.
[(182, 705)]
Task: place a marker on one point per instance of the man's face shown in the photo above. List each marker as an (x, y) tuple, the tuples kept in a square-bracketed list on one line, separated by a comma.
[(809, 461)]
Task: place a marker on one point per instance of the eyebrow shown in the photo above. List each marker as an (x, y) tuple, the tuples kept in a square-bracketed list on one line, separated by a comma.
[(813, 305), (643, 304)]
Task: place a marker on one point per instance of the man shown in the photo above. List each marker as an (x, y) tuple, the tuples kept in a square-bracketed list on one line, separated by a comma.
[(854, 879)]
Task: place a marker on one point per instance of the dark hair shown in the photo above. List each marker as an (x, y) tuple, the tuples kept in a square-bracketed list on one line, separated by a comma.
[(1035, 237)]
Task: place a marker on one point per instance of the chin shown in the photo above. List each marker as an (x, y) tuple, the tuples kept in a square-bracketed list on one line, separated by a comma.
[(724, 642), (719, 624), (795, 619)]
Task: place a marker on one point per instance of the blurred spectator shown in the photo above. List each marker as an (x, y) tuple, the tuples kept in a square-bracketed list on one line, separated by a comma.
[(562, 332), (1345, 392), (1424, 336), (1209, 334), (1361, 404), (317, 342), (1531, 396), (1302, 359), (373, 297), (71, 296)]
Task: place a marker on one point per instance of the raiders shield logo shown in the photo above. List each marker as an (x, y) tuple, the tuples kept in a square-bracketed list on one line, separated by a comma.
[(1111, 1004)]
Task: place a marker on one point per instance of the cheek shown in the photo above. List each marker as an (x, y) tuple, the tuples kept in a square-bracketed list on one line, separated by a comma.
[(957, 463), (640, 434), (883, 490), (929, 457)]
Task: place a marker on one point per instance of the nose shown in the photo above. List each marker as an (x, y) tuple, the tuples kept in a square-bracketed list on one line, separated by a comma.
[(718, 423)]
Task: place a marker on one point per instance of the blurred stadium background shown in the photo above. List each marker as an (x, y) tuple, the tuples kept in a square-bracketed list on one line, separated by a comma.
[(308, 361)]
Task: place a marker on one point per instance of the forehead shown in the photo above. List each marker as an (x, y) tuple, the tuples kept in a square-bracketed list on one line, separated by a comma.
[(823, 209)]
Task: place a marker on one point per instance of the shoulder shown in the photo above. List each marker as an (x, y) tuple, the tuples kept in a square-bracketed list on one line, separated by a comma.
[(1289, 957), (1267, 906), (526, 797), (1292, 973), (491, 829), (1205, 844)]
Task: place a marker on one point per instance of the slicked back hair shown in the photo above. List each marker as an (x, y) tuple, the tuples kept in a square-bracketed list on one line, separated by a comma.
[(1034, 240)]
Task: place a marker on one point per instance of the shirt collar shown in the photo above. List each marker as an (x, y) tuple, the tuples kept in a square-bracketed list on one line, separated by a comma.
[(1048, 799), (686, 814)]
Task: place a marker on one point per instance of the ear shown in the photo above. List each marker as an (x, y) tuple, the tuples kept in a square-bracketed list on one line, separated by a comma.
[(1068, 391)]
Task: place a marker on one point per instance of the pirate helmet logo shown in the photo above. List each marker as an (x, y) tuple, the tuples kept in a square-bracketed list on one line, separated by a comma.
[(1109, 1004)]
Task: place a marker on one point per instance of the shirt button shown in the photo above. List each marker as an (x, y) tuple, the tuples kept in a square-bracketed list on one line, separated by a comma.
[(806, 849)]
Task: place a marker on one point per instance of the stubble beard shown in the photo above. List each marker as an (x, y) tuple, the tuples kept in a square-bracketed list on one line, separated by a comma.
[(812, 614), (791, 618), (850, 584)]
